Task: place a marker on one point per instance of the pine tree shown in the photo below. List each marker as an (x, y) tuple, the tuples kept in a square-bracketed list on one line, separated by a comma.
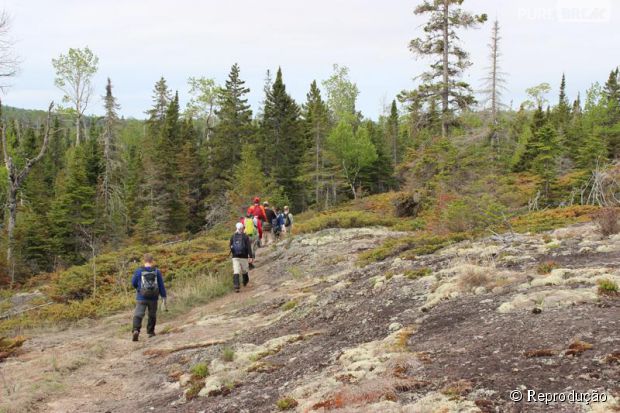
[(282, 141), (378, 176), (441, 40), (169, 207), (316, 125), (190, 176), (544, 164), (73, 209), (110, 190), (392, 133), (562, 110), (230, 134), (528, 141)]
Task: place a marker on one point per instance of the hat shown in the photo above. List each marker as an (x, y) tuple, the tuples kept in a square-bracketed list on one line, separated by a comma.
[(257, 200), (266, 203), (239, 226), (286, 207)]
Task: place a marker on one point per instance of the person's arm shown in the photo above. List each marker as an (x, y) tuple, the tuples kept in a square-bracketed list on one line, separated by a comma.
[(135, 279), (230, 244), (248, 246), (160, 282)]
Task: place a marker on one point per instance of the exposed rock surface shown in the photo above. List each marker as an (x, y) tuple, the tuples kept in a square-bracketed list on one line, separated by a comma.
[(478, 323)]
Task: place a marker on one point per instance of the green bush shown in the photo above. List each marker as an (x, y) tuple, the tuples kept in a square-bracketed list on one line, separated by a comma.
[(286, 403), (607, 287), (228, 354), (200, 370), (472, 214)]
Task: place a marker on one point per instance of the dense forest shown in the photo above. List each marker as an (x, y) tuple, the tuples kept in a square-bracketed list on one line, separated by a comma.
[(105, 181)]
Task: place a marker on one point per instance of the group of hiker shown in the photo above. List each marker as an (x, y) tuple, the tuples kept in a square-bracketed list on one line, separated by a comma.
[(261, 226)]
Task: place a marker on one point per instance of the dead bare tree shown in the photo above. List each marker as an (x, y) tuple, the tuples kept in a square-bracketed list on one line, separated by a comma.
[(16, 178), (494, 82), (89, 239)]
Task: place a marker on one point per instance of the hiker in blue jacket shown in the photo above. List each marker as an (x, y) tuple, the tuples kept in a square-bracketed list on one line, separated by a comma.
[(149, 285)]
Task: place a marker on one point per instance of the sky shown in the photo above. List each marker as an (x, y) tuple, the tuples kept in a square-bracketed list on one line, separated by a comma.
[(138, 41)]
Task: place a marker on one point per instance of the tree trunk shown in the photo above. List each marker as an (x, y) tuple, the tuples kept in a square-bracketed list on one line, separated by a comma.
[(78, 122), (445, 92), (317, 166), (12, 207)]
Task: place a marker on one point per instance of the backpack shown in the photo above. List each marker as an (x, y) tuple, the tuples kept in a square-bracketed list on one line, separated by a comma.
[(238, 246), (250, 227), (149, 288), (275, 225), (287, 222)]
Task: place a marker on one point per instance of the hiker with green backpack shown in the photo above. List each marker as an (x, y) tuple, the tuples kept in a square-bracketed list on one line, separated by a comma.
[(251, 223), (149, 285)]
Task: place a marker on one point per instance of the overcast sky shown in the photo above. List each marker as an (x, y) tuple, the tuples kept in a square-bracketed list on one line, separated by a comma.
[(138, 41)]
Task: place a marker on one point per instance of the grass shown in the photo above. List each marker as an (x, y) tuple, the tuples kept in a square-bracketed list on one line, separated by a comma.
[(286, 403), (228, 354), (289, 305), (10, 346), (409, 247), (607, 287), (541, 221), (418, 273), (200, 370)]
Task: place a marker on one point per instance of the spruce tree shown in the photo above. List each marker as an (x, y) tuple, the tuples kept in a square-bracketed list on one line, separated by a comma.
[(392, 134), (110, 180), (282, 141), (544, 164), (316, 125), (191, 171), (562, 110), (169, 207), (230, 134), (441, 41)]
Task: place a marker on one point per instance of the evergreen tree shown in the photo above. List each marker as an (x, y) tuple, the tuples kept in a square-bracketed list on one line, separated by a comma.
[(562, 111), (110, 190), (282, 141), (169, 207), (544, 164), (230, 134), (190, 176), (316, 125), (528, 140), (392, 134), (442, 80), (378, 176), (74, 209)]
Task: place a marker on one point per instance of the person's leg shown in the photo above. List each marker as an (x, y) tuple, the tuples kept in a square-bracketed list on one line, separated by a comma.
[(245, 272), (138, 315), (236, 272), (150, 325)]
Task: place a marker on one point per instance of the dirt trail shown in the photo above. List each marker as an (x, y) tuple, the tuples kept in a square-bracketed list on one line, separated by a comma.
[(98, 368)]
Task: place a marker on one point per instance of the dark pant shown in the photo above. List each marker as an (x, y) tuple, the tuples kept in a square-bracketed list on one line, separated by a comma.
[(138, 315), (246, 280)]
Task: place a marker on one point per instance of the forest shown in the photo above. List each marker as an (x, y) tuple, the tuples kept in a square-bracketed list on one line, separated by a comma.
[(76, 185)]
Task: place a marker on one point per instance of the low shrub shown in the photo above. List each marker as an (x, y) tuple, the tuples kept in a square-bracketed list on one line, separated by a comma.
[(472, 214), (289, 305), (286, 403), (200, 370), (228, 354), (541, 221), (418, 273), (607, 287)]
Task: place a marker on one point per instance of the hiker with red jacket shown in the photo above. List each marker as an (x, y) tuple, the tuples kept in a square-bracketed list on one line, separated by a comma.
[(259, 212), (149, 285), (241, 251)]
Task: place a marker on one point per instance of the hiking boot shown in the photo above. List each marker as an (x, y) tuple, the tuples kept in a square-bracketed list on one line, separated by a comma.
[(151, 335), (236, 289), (251, 266), (246, 279), (135, 335)]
